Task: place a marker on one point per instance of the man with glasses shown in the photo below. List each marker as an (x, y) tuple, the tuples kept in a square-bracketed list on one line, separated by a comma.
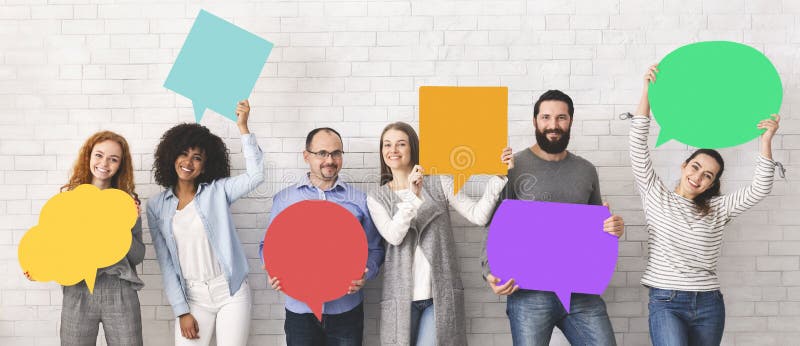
[(342, 319)]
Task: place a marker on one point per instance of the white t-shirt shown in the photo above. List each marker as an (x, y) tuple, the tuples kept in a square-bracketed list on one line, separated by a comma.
[(195, 254)]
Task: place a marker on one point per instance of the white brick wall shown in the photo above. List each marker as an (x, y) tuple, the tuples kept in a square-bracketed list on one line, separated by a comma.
[(71, 67)]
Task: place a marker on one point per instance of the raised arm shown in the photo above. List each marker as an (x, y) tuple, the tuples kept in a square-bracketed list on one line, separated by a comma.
[(480, 212), (641, 164), (240, 185), (748, 196)]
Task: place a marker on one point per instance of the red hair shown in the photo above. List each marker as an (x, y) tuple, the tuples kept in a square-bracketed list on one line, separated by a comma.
[(81, 172)]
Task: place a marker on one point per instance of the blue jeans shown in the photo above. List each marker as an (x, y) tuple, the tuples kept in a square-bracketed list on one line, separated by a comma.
[(423, 323), (686, 318), (345, 329), (533, 314)]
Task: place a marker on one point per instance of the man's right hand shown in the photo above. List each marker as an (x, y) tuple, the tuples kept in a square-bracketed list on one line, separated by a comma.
[(275, 283), (504, 289)]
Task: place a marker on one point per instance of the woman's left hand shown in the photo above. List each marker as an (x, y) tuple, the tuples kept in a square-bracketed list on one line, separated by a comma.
[(507, 157), (415, 180), (771, 125), (242, 113)]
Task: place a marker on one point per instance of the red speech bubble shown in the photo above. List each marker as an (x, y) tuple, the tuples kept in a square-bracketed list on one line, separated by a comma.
[(316, 249)]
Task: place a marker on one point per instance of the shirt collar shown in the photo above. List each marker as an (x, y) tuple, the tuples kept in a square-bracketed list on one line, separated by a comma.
[(306, 181), (171, 194)]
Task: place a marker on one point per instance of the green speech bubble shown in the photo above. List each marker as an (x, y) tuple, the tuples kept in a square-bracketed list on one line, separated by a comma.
[(713, 94)]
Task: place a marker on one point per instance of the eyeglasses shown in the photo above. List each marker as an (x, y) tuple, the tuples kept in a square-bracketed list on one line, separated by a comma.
[(323, 154)]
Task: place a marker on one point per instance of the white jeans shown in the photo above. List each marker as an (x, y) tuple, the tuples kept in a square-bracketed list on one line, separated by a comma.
[(214, 308)]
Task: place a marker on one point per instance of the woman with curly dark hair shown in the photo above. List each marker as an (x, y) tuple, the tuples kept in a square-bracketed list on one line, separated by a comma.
[(202, 261)]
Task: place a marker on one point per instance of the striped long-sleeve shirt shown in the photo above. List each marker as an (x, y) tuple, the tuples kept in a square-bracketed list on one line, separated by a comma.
[(685, 245)]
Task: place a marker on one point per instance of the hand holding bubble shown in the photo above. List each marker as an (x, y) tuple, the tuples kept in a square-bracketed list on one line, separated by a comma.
[(505, 289), (547, 246), (242, 115), (314, 251), (507, 158)]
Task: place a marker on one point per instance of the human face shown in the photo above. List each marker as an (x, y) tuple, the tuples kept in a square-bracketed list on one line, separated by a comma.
[(326, 169), (104, 162), (552, 126), (396, 150), (190, 164), (697, 176)]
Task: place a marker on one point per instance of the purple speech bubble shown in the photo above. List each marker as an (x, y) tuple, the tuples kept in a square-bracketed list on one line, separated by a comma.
[(557, 247)]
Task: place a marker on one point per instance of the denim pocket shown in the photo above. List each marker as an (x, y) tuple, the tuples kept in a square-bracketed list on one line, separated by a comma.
[(662, 296)]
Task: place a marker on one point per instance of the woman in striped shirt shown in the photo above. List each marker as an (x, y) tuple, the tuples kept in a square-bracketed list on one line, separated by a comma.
[(685, 227)]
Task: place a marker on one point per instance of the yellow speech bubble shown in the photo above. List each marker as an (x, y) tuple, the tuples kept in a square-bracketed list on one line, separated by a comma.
[(463, 131), (79, 231)]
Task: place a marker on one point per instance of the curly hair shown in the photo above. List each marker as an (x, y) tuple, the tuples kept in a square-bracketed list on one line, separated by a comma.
[(81, 172), (703, 200), (183, 137)]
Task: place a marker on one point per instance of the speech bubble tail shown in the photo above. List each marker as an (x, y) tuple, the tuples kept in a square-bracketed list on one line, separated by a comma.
[(458, 182), (565, 298), (663, 137), (90, 279), (199, 110), (317, 312)]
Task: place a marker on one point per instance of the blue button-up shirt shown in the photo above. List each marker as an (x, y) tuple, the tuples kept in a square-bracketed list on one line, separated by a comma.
[(351, 199), (212, 201)]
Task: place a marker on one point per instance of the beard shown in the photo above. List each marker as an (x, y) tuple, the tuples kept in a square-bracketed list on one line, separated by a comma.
[(323, 167), (552, 147)]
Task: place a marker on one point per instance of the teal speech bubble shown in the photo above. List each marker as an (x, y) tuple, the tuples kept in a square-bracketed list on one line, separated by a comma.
[(218, 65), (713, 94)]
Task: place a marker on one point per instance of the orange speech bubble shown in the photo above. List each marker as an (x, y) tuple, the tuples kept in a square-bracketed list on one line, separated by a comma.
[(462, 131)]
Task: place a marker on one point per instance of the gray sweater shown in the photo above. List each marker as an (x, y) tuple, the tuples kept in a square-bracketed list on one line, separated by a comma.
[(431, 230), (126, 267), (571, 180)]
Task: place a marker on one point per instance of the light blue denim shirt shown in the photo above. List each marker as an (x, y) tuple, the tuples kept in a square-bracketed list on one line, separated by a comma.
[(354, 201), (212, 201)]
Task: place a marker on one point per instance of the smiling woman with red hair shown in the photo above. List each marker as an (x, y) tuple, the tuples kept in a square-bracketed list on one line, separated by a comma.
[(104, 161)]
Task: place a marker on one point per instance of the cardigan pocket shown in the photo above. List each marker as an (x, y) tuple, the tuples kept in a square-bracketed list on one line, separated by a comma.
[(388, 326)]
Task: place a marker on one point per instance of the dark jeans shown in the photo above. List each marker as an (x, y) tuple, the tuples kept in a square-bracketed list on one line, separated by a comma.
[(345, 329), (683, 318), (534, 314)]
